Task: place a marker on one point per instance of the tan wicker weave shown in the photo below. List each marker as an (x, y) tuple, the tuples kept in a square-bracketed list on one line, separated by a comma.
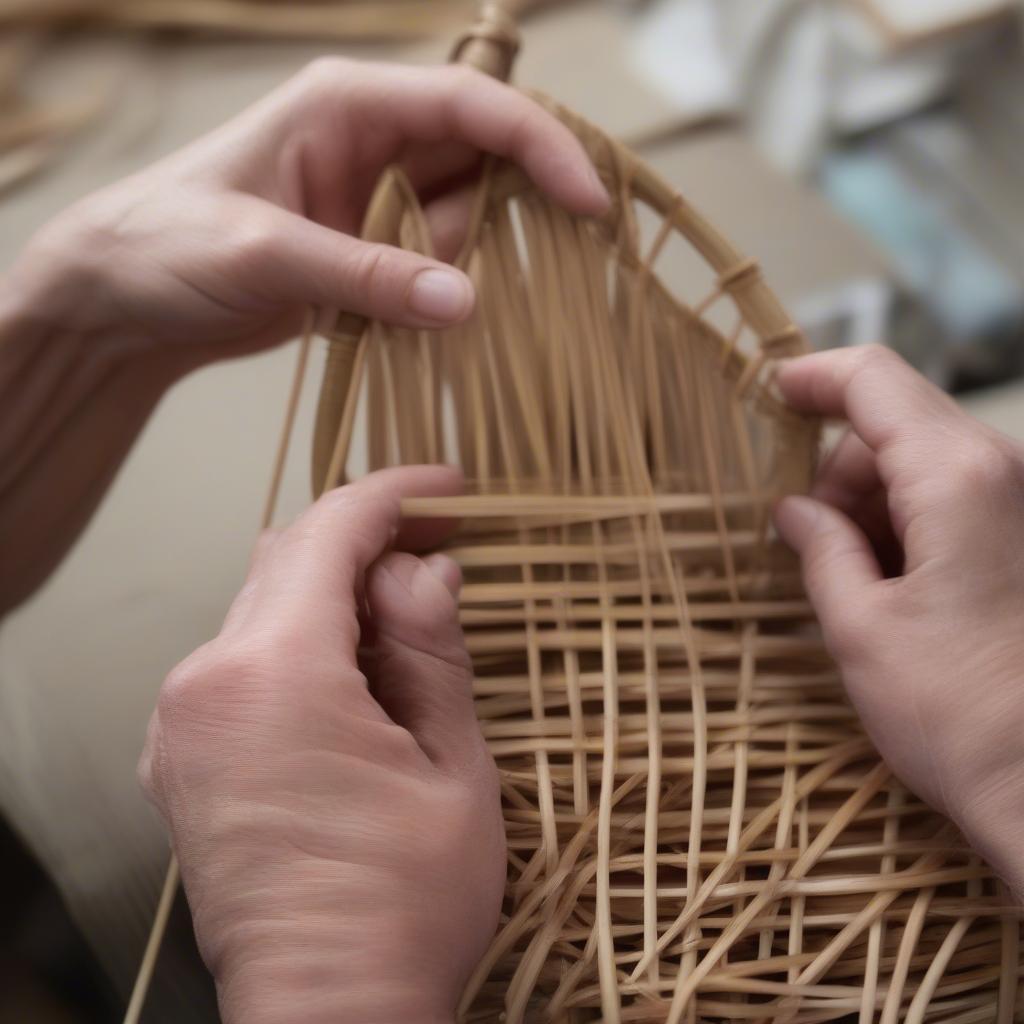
[(698, 828)]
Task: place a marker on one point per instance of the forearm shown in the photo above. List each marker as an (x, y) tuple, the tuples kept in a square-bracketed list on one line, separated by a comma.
[(73, 396)]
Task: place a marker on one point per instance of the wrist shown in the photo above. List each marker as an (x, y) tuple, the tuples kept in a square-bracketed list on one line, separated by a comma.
[(73, 402), (59, 281), (303, 969), (310, 993), (55, 302)]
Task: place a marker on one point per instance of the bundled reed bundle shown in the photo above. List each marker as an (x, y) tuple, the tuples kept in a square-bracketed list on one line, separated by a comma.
[(32, 132), (335, 19), (698, 828)]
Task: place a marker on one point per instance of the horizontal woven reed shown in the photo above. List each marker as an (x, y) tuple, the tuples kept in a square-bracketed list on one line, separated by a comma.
[(698, 828)]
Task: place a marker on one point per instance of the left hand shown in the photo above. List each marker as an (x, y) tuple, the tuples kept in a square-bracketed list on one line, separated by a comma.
[(220, 249), (337, 819), (216, 250)]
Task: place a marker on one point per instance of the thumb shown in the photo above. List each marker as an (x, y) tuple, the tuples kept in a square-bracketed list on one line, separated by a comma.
[(836, 557), (421, 672), (300, 261)]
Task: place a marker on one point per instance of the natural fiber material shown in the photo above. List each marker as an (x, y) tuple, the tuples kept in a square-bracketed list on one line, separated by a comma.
[(332, 19), (32, 133), (698, 828)]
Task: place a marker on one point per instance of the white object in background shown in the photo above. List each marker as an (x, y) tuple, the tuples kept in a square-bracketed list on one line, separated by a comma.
[(810, 69), (907, 20), (675, 48), (875, 85), (856, 313), (780, 54)]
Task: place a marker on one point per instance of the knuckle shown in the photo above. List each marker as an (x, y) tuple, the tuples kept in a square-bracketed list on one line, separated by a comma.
[(461, 78), (474, 794), (878, 355), (284, 643), (452, 655), (204, 683), (975, 467), (991, 465), (373, 272), (439, 609), (398, 744), (433, 639), (446, 664), (325, 71), (341, 500), (455, 801), (871, 362), (451, 665), (255, 239), (355, 505), (180, 689)]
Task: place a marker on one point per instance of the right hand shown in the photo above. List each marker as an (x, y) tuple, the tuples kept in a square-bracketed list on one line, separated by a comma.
[(912, 545), (336, 815)]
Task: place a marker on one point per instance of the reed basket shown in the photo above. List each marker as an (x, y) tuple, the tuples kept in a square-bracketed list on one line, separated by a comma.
[(698, 829)]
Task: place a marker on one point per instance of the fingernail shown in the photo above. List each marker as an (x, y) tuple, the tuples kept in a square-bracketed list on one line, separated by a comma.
[(443, 296), (447, 571), (795, 517)]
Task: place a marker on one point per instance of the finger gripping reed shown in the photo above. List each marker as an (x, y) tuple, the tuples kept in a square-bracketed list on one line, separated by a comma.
[(698, 829)]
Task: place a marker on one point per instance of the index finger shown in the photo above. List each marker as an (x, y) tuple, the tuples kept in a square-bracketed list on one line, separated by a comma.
[(882, 396), (393, 105)]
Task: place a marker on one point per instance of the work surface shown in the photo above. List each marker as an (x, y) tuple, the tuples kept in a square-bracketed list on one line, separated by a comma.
[(152, 576)]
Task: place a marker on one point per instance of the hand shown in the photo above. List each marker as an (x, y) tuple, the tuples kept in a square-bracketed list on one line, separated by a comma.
[(337, 823), (912, 545), (217, 249)]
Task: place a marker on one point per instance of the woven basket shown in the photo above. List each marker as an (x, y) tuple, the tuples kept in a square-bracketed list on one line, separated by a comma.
[(698, 828)]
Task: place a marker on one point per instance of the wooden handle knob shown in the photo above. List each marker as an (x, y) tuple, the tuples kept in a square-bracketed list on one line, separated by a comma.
[(491, 44)]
